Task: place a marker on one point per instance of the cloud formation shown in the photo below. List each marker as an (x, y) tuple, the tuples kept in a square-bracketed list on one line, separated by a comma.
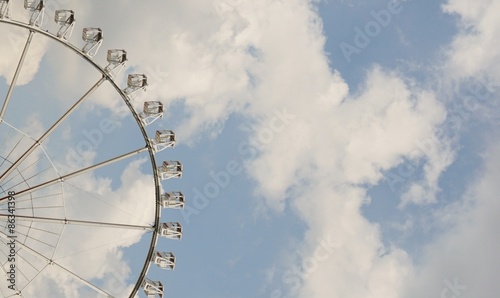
[(259, 58)]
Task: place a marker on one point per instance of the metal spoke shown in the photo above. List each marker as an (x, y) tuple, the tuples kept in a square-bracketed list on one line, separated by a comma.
[(36, 198), (37, 229), (27, 236), (27, 168), (12, 150), (31, 208), (51, 129), (66, 221), (24, 179), (77, 173), (16, 75)]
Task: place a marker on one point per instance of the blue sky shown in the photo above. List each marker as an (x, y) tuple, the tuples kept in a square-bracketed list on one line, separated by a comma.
[(309, 171)]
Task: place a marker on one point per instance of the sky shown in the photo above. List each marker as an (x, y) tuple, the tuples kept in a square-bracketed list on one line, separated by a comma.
[(336, 148)]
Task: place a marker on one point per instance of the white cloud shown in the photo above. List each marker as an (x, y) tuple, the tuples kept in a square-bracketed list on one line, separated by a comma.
[(473, 51), (439, 155), (14, 40), (11, 53), (331, 142), (368, 133), (468, 249), (464, 255), (350, 144), (334, 144), (359, 265)]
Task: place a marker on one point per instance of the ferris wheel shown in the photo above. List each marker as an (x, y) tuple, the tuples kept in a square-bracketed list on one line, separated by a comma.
[(59, 218)]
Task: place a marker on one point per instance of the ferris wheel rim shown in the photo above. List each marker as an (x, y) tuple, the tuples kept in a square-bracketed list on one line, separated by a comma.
[(126, 99)]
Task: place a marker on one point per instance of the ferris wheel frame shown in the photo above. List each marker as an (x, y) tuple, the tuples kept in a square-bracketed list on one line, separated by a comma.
[(159, 173)]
